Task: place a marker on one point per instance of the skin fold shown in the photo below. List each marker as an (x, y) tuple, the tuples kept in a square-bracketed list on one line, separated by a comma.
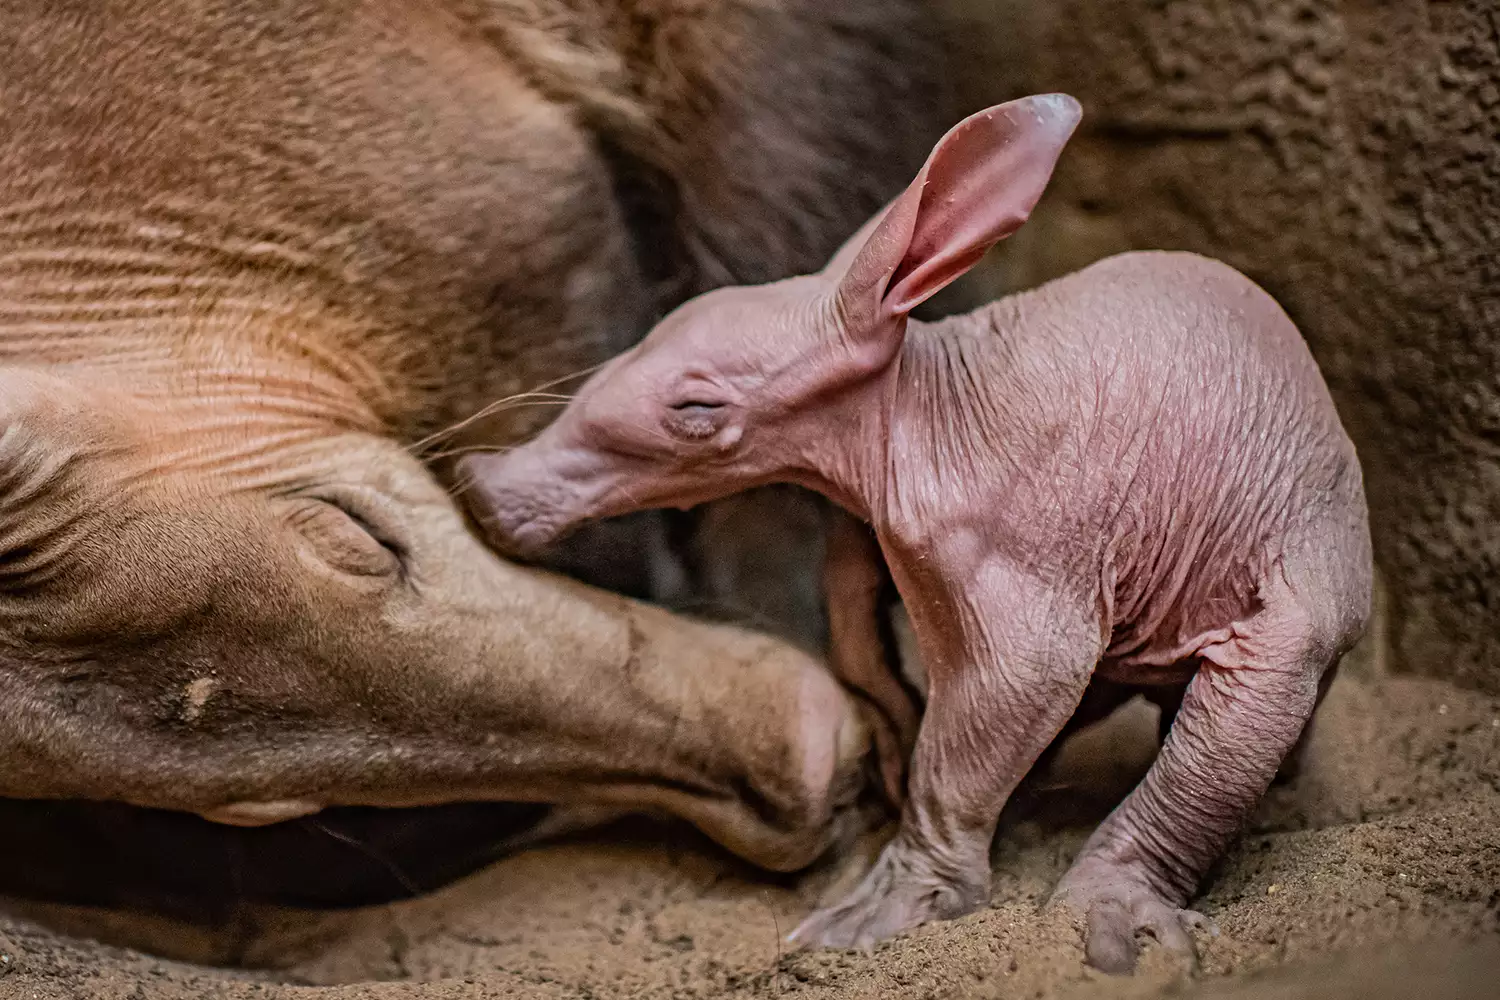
[(1133, 475), (267, 267)]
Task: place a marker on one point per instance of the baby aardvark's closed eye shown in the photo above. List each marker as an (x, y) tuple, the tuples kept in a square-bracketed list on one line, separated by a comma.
[(696, 419)]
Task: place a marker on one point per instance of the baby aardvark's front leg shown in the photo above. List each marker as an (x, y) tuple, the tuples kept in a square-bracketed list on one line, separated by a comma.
[(1008, 659)]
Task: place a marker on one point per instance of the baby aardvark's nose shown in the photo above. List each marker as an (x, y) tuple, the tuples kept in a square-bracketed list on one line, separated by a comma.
[(520, 503)]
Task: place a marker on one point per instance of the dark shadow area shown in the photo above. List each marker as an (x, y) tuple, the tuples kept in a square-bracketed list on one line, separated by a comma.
[(185, 868)]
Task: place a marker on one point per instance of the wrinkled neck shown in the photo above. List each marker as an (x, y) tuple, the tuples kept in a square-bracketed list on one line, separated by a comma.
[(959, 405), (844, 454), (237, 390), (181, 305), (256, 420), (937, 418)]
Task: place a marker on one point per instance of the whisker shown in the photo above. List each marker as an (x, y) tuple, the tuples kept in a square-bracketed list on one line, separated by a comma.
[(518, 401), (538, 391), (580, 373), (472, 449), (460, 486)]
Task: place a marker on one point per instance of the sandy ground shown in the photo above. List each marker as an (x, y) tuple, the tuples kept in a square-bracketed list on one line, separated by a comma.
[(1375, 873)]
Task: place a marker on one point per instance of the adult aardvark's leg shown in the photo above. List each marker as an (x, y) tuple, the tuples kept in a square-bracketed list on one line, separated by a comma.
[(1242, 714)]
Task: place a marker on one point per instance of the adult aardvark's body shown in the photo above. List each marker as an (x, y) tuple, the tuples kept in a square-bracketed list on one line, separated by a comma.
[(1135, 472), (253, 251)]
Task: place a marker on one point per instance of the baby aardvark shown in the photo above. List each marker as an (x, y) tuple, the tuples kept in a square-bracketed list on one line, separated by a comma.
[(1134, 472)]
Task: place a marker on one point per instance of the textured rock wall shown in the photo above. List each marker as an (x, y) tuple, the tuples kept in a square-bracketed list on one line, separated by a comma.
[(1346, 155)]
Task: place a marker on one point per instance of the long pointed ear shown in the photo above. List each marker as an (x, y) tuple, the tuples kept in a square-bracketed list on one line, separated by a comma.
[(979, 185)]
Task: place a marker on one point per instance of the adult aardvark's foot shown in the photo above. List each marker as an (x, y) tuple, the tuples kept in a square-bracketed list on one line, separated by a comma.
[(1118, 907), (900, 892)]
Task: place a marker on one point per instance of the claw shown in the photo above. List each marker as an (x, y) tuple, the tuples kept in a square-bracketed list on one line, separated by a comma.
[(1199, 922), (897, 894), (1105, 948), (1118, 912), (1169, 932)]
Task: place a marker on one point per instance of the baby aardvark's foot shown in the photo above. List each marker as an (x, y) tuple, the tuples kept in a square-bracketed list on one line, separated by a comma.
[(1118, 906), (903, 890)]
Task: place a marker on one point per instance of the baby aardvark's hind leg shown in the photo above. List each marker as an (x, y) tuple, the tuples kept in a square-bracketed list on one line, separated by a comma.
[(1243, 712), (1008, 661)]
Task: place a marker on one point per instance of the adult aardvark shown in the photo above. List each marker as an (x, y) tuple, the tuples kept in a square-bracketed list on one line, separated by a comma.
[(255, 255)]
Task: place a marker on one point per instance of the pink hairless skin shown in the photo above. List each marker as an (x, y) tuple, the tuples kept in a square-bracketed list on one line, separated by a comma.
[(1133, 473)]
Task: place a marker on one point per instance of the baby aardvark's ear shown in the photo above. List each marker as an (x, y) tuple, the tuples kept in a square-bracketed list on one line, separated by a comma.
[(978, 186)]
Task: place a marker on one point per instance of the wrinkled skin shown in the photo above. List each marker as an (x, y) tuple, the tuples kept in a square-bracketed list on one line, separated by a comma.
[(1132, 475), (264, 264)]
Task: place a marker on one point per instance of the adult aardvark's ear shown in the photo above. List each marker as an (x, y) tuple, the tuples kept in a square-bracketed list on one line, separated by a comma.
[(978, 186)]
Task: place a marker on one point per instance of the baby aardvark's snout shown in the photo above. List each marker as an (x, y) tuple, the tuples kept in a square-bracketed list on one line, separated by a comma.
[(528, 498)]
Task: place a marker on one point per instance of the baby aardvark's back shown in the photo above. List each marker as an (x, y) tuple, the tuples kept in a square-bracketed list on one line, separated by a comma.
[(1157, 416)]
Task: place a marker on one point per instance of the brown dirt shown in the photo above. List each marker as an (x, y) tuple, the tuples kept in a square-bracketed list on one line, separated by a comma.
[(1375, 873)]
